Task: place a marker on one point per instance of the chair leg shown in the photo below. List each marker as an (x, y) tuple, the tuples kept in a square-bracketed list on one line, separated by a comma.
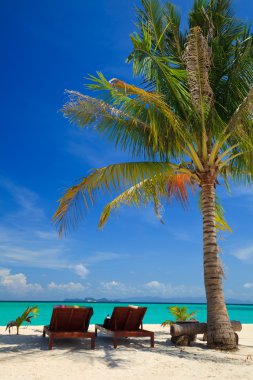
[(44, 333), (96, 332), (92, 343), (152, 341), (115, 342), (50, 345)]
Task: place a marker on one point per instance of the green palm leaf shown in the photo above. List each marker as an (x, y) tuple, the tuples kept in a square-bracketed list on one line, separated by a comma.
[(109, 179), (163, 185)]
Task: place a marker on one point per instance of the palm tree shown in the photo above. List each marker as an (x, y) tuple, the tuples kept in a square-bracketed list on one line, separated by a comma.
[(190, 125)]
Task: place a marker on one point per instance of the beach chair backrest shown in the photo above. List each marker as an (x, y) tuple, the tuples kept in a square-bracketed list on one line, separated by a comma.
[(127, 318), (118, 318), (71, 319), (134, 318)]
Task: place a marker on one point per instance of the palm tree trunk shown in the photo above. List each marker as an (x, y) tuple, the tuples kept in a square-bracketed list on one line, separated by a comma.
[(219, 330)]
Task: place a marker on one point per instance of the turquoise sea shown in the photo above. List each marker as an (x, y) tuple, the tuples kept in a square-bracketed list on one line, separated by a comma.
[(156, 313)]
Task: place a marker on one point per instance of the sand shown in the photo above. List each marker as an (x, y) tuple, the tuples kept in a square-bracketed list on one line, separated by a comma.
[(27, 357)]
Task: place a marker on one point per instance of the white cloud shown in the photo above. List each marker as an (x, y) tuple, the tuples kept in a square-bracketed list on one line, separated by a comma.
[(81, 270), (55, 257), (152, 288), (111, 285), (244, 254), (154, 285), (248, 285), (70, 287), (167, 290), (17, 285), (17, 282), (33, 257), (112, 288), (25, 236)]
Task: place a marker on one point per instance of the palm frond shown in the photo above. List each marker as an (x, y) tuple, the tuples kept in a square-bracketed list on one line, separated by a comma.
[(109, 179), (237, 78), (142, 97), (151, 16), (130, 117), (175, 39), (162, 186), (221, 223), (129, 130), (242, 113), (239, 170), (152, 55)]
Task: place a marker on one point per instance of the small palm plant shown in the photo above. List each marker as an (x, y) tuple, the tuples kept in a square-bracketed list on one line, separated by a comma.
[(29, 313), (181, 314)]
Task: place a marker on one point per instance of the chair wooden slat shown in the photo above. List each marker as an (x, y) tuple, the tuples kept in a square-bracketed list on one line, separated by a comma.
[(126, 322), (70, 322)]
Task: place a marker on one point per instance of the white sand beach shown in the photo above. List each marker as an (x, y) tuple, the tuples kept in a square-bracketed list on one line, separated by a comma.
[(27, 357)]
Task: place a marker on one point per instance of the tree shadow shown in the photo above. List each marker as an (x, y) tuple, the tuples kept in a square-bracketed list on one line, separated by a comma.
[(198, 351), (13, 346)]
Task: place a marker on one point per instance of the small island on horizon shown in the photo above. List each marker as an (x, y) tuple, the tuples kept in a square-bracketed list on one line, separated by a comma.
[(149, 299)]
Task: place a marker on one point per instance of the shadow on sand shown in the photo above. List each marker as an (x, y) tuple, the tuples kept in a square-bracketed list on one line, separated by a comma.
[(14, 346)]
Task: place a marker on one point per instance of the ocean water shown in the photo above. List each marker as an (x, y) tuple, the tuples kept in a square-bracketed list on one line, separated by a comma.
[(156, 312)]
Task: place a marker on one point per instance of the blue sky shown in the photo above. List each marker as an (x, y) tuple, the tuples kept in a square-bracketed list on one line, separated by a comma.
[(50, 46)]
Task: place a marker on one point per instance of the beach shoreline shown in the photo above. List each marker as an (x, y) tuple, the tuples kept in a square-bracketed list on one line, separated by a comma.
[(26, 356)]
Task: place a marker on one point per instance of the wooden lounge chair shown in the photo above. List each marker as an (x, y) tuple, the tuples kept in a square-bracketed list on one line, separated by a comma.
[(70, 322), (126, 322)]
